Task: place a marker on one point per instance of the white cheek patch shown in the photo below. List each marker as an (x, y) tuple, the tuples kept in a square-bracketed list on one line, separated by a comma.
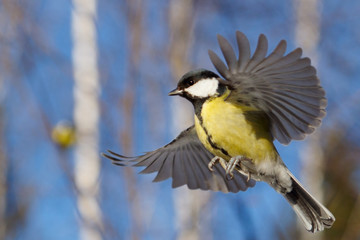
[(204, 88)]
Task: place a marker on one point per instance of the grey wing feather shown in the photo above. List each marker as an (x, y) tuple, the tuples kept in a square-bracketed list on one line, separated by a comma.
[(273, 57), (285, 87), (259, 54), (186, 160), (166, 169), (228, 53), (219, 65), (244, 51)]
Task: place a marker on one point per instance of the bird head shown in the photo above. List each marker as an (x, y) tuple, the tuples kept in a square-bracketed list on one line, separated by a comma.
[(200, 84)]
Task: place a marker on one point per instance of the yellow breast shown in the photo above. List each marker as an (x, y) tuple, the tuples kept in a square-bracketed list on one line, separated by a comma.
[(228, 130)]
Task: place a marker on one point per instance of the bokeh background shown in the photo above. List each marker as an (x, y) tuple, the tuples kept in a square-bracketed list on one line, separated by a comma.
[(79, 77)]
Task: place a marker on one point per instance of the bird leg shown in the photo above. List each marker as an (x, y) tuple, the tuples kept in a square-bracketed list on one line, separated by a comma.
[(247, 167), (229, 167)]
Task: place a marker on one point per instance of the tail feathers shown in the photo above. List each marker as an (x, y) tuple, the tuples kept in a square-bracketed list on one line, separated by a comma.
[(314, 215)]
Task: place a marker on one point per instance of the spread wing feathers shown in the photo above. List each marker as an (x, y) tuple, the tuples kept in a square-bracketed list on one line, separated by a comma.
[(285, 87), (186, 160)]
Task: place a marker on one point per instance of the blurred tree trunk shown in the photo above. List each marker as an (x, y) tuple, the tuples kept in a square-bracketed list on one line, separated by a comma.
[(13, 15), (3, 181), (134, 11), (187, 203), (342, 155), (307, 33), (86, 117)]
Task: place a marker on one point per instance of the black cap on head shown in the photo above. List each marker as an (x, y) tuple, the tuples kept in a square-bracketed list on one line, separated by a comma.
[(193, 76)]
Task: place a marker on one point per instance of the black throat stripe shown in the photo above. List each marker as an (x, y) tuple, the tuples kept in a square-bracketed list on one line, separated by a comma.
[(209, 137), (214, 145)]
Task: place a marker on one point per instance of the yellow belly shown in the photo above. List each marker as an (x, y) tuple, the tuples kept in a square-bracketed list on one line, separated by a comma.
[(226, 126)]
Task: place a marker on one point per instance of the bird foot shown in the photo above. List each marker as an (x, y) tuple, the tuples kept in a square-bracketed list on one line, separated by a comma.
[(244, 164), (216, 160)]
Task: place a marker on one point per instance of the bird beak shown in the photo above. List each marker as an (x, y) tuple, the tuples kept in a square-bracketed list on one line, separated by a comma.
[(175, 92)]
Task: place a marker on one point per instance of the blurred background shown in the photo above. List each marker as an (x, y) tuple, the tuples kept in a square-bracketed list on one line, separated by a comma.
[(83, 76)]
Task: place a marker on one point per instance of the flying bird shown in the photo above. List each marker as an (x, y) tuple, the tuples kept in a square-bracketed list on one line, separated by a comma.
[(238, 116)]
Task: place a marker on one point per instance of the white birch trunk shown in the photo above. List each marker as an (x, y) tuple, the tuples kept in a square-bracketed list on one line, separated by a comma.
[(307, 34), (86, 117)]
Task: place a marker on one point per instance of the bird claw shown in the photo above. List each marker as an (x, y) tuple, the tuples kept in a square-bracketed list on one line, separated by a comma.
[(229, 176), (230, 166), (249, 177), (215, 160)]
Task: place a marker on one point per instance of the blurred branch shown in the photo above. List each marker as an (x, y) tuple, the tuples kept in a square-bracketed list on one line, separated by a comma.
[(134, 13), (341, 187), (352, 226), (181, 30), (13, 210), (3, 178)]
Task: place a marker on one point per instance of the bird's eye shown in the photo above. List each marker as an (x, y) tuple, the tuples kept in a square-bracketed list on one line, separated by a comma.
[(191, 82)]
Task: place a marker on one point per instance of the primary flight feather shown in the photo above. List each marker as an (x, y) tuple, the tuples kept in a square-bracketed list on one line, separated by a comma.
[(260, 98)]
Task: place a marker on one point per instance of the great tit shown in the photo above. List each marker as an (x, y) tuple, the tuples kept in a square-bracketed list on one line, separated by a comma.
[(260, 98)]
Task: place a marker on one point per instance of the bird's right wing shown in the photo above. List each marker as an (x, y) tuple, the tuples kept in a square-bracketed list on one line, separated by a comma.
[(186, 160), (285, 87)]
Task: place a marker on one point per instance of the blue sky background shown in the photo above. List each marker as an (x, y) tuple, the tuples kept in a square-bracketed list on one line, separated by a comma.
[(37, 92)]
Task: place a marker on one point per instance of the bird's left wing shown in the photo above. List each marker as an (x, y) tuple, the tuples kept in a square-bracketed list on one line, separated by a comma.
[(186, 160)]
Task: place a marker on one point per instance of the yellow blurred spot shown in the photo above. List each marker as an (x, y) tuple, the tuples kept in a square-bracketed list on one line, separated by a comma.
[(63, 134)]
